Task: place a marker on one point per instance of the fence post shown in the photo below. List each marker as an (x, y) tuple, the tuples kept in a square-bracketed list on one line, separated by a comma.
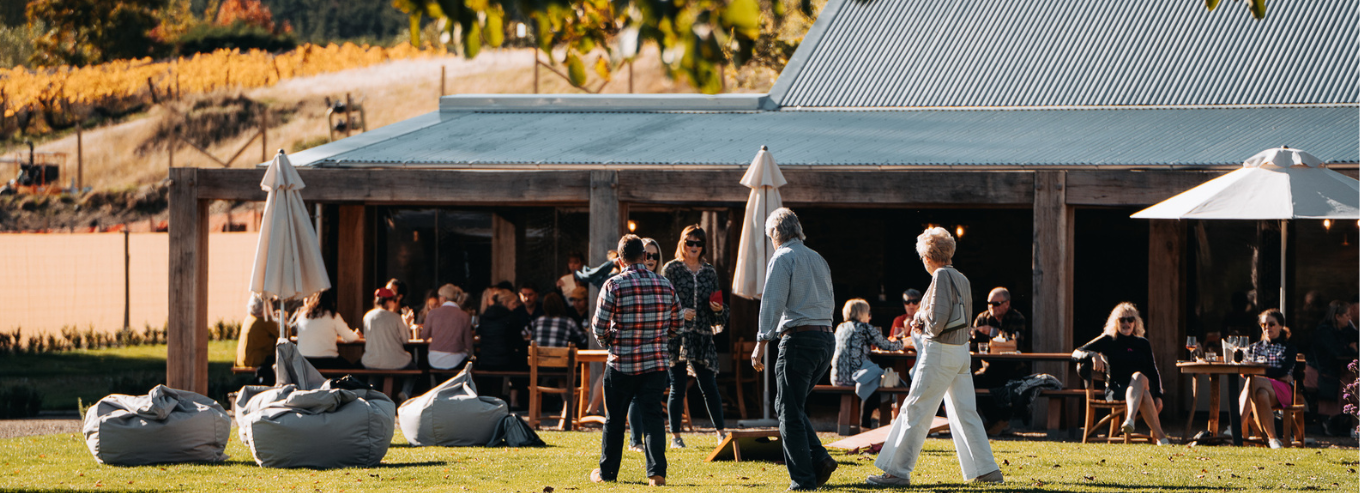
[(442, 71), (80, 157), (264, 135), (127, 281), (349, 119)]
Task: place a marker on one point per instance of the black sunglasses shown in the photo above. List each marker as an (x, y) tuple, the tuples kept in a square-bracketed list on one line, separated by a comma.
[(995, 303), (653, 256), (915, 301), (1268, 324), (1128, 320), (692, 243)]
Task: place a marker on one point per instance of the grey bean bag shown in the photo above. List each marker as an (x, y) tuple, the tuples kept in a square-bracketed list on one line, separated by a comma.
[(451, 415), (164, 426), (323, 428)]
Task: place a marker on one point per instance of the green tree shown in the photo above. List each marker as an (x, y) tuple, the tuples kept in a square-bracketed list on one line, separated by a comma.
[(696, 37), (81, 32)]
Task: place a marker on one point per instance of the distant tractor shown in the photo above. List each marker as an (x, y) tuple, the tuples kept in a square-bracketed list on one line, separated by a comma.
[(39, 173)]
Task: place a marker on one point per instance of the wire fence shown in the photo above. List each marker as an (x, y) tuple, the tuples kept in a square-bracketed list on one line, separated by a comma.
[(81, 281)]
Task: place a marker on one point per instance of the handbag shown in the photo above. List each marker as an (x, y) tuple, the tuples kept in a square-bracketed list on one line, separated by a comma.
[(958, 318)]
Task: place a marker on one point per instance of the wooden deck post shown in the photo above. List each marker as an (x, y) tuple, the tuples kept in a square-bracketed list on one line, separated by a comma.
[(503, 250), (1051, 317), (186, 363), (352, 290), (606, 226), (1165, 317)]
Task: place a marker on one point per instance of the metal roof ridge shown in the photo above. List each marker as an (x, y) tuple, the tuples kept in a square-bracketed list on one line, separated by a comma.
[(852, 109), (788, 75), (601, 102)]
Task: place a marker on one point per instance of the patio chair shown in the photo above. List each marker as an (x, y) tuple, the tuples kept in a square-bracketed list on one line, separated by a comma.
[(1095, 400), (742, 373), (564, 361), (1293, 421)]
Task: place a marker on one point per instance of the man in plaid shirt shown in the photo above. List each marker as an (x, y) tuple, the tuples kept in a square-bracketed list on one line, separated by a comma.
[(636, 315)]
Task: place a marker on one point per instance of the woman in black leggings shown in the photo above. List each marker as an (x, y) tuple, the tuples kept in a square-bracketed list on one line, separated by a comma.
[(692, 350)]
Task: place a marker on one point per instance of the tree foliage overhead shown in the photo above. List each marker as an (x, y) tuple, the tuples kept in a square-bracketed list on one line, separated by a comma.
[(696, 37), (81, 32)]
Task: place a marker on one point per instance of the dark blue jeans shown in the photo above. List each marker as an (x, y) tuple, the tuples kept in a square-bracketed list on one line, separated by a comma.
[(635, 418), (642, 390), (708, 387), (804, 358)]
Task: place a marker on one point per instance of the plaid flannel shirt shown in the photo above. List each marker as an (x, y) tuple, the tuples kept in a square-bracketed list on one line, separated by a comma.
[(635, 317), (554, 332)]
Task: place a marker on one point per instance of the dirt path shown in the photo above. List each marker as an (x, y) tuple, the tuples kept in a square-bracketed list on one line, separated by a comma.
[(14, 428)]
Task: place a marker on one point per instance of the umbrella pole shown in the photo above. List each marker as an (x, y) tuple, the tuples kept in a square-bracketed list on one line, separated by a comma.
[(1284, 240)]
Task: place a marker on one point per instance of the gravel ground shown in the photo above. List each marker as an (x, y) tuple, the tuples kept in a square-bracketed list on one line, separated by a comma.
[(14, 428)]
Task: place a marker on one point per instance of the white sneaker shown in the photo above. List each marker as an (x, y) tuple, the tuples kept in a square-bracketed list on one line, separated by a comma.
[(1128, 426), (1275, 443), (1164, 441)]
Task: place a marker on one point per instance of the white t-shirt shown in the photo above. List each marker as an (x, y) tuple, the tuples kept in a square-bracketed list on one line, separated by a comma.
[(316, 336)]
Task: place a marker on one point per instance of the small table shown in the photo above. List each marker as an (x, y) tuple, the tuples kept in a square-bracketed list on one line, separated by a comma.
[(1196, 369), (584, 358)]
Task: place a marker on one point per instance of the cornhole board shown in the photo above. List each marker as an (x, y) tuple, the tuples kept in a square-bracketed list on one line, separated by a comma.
[(879, 435), (748, 445)]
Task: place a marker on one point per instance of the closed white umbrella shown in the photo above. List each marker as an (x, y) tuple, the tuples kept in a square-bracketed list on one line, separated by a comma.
[(1277, 184), (755, 249), (287, 258)]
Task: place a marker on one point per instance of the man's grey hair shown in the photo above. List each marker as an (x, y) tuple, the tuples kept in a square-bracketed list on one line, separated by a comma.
[(782, 226), (1003, 292), (255, 307)]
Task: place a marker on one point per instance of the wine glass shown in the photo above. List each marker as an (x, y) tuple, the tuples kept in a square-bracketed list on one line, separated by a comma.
[(1191, 344)]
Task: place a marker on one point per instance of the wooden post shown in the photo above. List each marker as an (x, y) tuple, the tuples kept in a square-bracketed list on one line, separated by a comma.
[(502, 250), (127, 281), (80, 157), (186, 363), (174, 130), (349, 119), (264, 135), (442, 73), (1165, 318), (606, 226), (1052, 264), (630, 77), (536, 69), (351, 251)]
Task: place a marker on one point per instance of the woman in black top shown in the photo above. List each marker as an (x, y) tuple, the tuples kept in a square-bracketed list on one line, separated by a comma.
[(1125, 357), (502, 346), (1274, 388), (692, 350)]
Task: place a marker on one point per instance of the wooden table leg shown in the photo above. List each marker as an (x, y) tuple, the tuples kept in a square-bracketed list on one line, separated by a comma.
[(1234, 412), (1194, 404), (583, 393), (1214, 397)]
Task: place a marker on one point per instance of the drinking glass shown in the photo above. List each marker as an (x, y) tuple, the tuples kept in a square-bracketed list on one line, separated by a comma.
[(983, 347), (1191, 344)]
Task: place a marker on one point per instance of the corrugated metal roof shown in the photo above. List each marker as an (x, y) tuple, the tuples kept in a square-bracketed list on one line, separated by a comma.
[(924, 53), (1110, 137)]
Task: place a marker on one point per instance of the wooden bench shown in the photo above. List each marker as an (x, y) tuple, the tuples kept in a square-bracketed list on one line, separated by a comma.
[(389, 376), (847, 422)]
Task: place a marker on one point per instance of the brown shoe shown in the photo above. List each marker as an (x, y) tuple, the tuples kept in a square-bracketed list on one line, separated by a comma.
[(595, 476), (824, 470), (656, 481)]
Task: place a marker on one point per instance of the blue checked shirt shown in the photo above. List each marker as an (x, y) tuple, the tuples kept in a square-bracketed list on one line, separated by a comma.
[(797, 291)]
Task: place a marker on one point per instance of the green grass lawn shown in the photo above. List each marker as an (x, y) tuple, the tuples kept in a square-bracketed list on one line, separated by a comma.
[(91, 374), (61, 462)]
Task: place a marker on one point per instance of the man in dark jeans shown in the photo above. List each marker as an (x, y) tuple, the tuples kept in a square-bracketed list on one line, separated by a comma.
[(797, 308), (637, 313)]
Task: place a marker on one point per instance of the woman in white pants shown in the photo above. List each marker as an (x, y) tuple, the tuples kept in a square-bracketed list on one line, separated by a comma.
[(942, 371)]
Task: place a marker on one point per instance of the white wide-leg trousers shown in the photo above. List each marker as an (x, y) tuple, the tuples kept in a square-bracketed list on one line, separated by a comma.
[(942, 371)]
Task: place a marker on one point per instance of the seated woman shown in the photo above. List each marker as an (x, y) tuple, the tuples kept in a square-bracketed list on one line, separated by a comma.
[(555, 328), (256, 346), (1332, 349), (501, 346), (318, 328), (385, 336), (1272, 390), (853, 340), (1125, 357)]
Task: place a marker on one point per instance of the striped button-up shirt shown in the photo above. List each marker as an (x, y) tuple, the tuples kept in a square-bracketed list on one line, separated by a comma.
[(797, 291), (635, 316)]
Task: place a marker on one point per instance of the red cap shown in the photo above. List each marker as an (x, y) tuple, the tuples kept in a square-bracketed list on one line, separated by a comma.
[(716, 297), (384, 293)]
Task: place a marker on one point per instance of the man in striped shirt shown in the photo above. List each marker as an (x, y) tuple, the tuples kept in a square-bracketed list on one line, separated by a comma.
[(636, 315)]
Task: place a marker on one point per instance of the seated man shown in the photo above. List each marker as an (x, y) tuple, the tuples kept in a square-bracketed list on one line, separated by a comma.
[(1000, 320), (256, 346), (911, 300), (449, 330)]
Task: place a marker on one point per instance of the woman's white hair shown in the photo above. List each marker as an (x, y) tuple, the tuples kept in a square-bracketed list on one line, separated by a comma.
[(782, 226), (255, 307), (936, 244)]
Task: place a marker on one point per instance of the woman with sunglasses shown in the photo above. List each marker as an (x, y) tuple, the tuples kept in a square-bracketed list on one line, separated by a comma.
[(695, 282), (1125, 357), (1266, 392)]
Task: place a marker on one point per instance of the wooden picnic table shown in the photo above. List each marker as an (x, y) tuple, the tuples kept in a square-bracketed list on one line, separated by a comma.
[(1213, 370), (584, 358)]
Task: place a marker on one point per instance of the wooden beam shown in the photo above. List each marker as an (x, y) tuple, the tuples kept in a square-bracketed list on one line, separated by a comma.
[(835, 188), (502, 250), (605, 220), (186, 363), (1052, 264), (1131, 188), (408, 186), (1166, 306), (352, 290)]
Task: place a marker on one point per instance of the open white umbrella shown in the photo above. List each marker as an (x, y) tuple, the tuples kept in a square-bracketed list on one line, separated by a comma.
[(755, 249), (1277, 184), (287, 258)]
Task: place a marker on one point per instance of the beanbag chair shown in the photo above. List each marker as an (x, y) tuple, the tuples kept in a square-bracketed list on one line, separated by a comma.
[(164, 426), (327, 427), (451, 415)]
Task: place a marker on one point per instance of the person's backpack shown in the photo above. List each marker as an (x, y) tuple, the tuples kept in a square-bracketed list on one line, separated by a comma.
[(512, 431)]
